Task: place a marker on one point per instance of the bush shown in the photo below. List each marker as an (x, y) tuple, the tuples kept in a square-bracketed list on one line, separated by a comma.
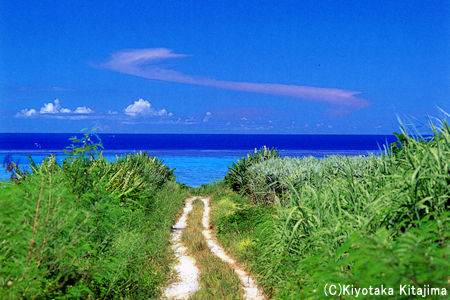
[(88, 229), (237, 175)]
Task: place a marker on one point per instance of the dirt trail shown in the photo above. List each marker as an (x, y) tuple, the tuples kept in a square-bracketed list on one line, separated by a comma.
[(188, 273), (249, 285)]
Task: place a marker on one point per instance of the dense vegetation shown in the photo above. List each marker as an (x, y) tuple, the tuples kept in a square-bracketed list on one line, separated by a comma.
[(88, 228), (364, 221), (237, 177)]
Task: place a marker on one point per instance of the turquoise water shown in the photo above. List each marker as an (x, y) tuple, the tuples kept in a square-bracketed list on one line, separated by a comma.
[(209, 162), (191, 170), (195, 171), (192, 167)]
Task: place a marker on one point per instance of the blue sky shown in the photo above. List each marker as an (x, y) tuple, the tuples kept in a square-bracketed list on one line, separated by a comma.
[(331, 67)]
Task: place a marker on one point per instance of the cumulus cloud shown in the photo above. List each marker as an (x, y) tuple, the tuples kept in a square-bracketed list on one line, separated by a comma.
[(140, 62), (140, 108), (26, 113), (207, 117), (53, 109), (83, 110), (143, 107)]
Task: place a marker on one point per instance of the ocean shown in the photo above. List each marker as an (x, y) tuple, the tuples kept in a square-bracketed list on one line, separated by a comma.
[(197, 158)]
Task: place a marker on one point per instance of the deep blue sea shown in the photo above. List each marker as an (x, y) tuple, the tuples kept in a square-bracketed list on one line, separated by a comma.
[(197, 158)]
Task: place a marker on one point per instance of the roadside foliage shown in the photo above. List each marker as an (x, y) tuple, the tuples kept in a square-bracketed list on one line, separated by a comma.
[(300, 223), (87, 228)]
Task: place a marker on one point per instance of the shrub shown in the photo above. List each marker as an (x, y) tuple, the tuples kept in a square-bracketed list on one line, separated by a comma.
[(88, 229), (237, 176)]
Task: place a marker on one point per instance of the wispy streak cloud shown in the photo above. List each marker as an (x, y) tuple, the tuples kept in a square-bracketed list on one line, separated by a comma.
[(43, 89), (141, 62)]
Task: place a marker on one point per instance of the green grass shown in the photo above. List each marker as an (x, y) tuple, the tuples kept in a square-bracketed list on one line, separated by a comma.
[(217, 279), (88, 229), (356, 220)]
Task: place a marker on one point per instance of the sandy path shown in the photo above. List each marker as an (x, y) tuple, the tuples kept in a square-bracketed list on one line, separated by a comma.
[(251, 290), (188, 272)]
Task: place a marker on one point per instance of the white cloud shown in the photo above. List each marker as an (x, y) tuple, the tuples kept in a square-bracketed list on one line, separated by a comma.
[(161, 112), (54, 110), (45, 89), (72, 117), (190, 121), (51, 108), (83, 110), (143, 107), (26, 113), (244, 119), (207, 117), (141, 63)]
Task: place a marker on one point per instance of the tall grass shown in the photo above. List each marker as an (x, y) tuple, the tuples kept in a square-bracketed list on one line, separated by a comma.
[(237, 176), (270, 181), (88, 228), (360, 220)]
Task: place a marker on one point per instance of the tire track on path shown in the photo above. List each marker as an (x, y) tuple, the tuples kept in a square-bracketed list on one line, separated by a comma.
[(249, 285), (186, 269)]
